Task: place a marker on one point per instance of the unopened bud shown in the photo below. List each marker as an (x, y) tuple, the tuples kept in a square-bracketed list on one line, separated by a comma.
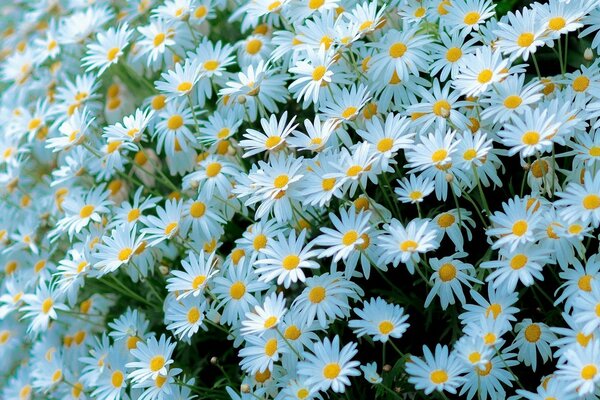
[(588, 54), (194, 184), (398, 389), (526, 166), (163, 269), (245, 388), (449, 178), (387, 368), (241, 99), (214, 360)]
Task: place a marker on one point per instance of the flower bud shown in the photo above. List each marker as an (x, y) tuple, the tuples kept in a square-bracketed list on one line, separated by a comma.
[(588, 54)]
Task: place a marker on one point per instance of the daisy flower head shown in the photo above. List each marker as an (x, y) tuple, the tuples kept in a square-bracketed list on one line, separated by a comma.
[(151, 359), (118, 249), (285, 259), (479, 70), (380, 320), (266, 317), (449, 277), (581, 202), (198, 269), (581, 371), (414, 189), (465, 16), (516, 224), (328, 366), (273, 137), (108, 49), (521, 35), (81, 209), (187, 316), (181, 81), (533, 338), (404, 244), (440, 371)]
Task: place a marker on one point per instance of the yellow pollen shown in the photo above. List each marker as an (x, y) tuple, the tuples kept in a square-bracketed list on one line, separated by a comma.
[(47, 305), (518, 261), (581, 83), (365, 25), (125, 253), (213, 169), (520, 227), (253, 46), (533, 333), (446, 220), (489, 338), (112, 53), (474, 357), (539, 168), (302, 394), (160, 381), (409, 246), (442, 108), (349, 238), (397, 50), (262, 376), (470, 154), (317, 294), (486, 369), (133, 214), (290, 262), (485, 76), (589, 371), (198, 281), (237, 290), (272, 142), (236, 255), (438, 377), (585, 283), (583, 340), (525, 39), (326, 41), (270, 322), (354, 170), (4, 336), (349, 112), (318, 72), (175, 122), (453, 54), (439, 155), (331, 370), (315, 4), (513, 101), (81, 266), (200, 12), (197, 209), (471, 18), (156, 363), (385, 327), (271, 347), (132, 342), (193, 315), (416, 195), (327, 184), (292, 332), (259, 242), (447, 272), (56, 376), (159, 39), (158, 102), (495, 309), (281, 181), (171, 228), (419, 12), (184, 86), (34, 124), (591, 202), (556, 23)]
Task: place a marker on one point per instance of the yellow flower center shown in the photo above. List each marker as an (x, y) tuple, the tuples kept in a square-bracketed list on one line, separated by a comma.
[(193, 315), (132, 342), (274, 5), (270, 322), (175, 122), (589, 372), (471, 18), (485, 370), (327, 184), (318, 72), (439, 155), (354, 170), (446, 220), (581, 83), (56, 376), (409, 246), (171, 228), (47, 305), (290, 262), (442, 108), (447, 272), (453, 54), (314, 4), (253, 46), (116, 379), (292, 332), (184, 86), (519, 228), (513, 101), (485, 76), (585, 283), (385, 327), (159, 39), (518, 261), (397, 50), (331, 370), (272, 142), (271, 347), (525, 39), (259, 242), (158, 102), (495, 309), (556, 23), (591, 202), (156, 363), (317, 294), (237, 290), (438, 377), (125, 253), (86, 211), (533, 333), (349, 112), (112, 53), (583, 340), (281, 181), (470, 154)]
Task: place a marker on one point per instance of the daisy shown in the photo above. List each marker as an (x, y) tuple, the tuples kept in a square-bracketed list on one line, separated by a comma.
[(312, 74), (403, 244), (389, 137), (165, 225), (260, 352), (285, 258), (80, 210), (581, 202), (521, 35), (440, 372), (479, 70), (42, 306), (271, 139), (446, 55), (152, 358), (580, 372), (108, 50), (380, 320), (350, 230), (266, 317), (186, 316), (516, 224), (532, 338), (448, 279), (325, 298), (74, 131), (511, 98), (328, 366), (467, 15), (317, 136), (173, 129), (414, 189), (181, 81), (523, 263), (343, 104), (117, 249), (402, 52)]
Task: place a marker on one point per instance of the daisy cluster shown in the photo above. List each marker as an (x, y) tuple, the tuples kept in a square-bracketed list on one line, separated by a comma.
[(299, 199)]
